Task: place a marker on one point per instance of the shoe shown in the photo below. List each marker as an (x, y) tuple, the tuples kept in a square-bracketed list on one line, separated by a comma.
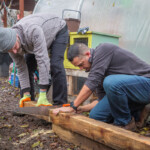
[(131, 125)]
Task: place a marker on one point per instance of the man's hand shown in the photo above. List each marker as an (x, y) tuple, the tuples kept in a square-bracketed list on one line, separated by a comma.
[(87, 108), (63, 109), (80, 109)]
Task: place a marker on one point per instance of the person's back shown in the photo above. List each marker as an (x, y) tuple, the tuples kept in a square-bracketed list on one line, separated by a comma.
[(121, 61), (49, 23), (108, 59)]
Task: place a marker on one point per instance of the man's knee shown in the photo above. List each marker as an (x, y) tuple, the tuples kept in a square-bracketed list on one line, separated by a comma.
[(92, 115), (101, 116), (97, 114)]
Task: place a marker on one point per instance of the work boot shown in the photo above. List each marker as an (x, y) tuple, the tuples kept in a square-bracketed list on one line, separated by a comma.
[(131, 125), (145, 113)]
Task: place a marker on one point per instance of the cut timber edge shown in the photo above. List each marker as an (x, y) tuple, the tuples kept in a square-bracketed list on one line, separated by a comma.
[(112, 136)]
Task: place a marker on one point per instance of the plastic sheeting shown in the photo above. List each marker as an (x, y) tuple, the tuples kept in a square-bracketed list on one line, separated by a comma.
[(127, 18), (57, 7)]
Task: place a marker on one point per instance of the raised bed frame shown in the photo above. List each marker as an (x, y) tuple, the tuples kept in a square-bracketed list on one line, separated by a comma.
[(91, 134)]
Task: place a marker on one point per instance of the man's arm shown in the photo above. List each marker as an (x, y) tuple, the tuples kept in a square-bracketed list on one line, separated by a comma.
[(83, 95), (22, 71), (37, 37), (87, 107)]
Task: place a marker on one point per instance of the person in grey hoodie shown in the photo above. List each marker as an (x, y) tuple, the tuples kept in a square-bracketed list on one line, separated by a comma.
[(37, 35)]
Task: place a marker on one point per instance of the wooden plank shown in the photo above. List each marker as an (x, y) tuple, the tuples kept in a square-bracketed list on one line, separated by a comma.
[(21, 8), (101, 132), (5, 16), (70, 87), (77, 73), (46, 118), (30, 104), (77, 139), (33, 104)]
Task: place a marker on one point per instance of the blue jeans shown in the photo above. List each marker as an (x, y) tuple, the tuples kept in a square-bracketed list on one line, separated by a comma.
[(126, 96)]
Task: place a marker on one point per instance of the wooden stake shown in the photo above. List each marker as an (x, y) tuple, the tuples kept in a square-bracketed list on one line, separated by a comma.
[(21, 8), (5, 16)]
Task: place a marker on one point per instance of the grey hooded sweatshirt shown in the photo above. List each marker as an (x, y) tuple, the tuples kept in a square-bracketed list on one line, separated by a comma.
[(36, 33)]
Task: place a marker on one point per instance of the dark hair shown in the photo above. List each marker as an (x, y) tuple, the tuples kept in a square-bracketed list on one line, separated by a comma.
[(77, 50)]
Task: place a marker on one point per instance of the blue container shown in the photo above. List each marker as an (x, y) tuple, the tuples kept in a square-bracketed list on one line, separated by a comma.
[(16, 80)]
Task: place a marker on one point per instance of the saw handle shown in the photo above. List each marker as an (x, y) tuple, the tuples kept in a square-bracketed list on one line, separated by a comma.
[(65, 105)]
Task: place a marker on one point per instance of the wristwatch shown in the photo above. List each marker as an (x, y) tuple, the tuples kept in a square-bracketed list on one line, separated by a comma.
[(72, 105)]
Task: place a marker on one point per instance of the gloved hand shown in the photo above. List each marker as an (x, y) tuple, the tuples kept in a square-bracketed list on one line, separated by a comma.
[(42, 101), (24, 99)]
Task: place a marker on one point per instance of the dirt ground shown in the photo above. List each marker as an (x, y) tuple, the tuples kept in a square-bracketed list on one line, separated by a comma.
[(26, 132)]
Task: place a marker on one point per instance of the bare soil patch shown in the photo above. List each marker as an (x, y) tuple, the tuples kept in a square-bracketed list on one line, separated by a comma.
[(26, 132)]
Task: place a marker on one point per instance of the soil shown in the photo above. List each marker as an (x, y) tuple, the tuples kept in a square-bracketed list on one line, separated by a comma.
[(27, 132), (24, 132)]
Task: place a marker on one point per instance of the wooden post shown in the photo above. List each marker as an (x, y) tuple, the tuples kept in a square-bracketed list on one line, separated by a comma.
[(5, 16), (21, 8)]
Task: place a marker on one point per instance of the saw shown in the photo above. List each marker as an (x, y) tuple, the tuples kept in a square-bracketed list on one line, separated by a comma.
[(42, 110)]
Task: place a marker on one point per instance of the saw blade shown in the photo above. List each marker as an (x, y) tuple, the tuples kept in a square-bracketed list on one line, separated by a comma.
[(42, 110)]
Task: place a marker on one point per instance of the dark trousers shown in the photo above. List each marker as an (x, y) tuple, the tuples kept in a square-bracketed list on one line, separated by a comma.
[(32, 67), (58, 74)]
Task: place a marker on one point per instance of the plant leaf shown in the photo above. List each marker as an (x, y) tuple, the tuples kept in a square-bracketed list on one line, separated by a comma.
[(24, 126), (35, 144), (22, 134)]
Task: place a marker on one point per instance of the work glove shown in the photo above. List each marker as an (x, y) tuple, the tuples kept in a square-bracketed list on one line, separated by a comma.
[(24, 99), (42, 101)]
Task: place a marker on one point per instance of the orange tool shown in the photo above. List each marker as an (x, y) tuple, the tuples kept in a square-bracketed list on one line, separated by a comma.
[(65, 105)]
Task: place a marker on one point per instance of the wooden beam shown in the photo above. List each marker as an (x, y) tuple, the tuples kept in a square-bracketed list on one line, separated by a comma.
[(78, 139), (5, 16), (30, 104), (70, 86), (77, 73), (21, 8), (101, 132), (46, 118), (33, 104)]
